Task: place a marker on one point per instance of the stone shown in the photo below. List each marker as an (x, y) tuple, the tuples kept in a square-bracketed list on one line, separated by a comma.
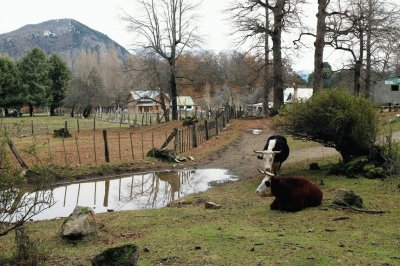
[(126, 255), (211, 205), (79, 224), (347, 198), (61, 133)]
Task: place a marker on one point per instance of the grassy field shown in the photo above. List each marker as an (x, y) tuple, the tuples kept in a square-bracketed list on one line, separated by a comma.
[(244, 231)]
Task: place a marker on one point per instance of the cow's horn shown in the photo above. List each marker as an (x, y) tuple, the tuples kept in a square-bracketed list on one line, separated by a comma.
[(261, 171), (258, 151)]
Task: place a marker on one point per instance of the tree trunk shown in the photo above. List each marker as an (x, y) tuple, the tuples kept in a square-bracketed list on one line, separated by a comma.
[(267, 74), (277, 53), (173, 88), (52, 110), (87, 111), (30, 110), (358, 67), (368, 51), (319, 46), (6, 112)]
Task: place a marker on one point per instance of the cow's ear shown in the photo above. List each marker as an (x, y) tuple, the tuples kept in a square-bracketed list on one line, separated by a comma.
[(267, 183)]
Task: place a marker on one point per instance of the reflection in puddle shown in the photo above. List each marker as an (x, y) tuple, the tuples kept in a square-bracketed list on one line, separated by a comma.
[(140, 191)]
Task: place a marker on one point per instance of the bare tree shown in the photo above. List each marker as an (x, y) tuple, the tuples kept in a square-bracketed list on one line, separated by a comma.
[(319, 45), (255, 18), (166, 27), (363, 26), (17, 205)]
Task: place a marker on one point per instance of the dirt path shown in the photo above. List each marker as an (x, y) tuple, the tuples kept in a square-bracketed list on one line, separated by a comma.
[(241, 161)]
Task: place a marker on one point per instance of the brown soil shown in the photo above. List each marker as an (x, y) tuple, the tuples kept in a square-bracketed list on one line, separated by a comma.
[(239, 157)]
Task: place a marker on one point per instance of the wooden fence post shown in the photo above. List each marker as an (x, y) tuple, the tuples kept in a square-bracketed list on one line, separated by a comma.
[(206, 129), (176, 142), (106, 151), (216, 126), (194, 136), (94, 147), (77, 149), (77, 124), (119, 146), (142, 145), (130, 137)]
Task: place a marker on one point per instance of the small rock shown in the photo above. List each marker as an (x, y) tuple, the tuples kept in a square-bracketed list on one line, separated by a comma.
[(211, 205), (347, 198), (124, 255), (310, 230), (339, 218), (146, 250)]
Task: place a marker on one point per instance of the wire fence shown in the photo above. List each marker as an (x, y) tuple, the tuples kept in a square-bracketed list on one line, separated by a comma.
[(128, 144)]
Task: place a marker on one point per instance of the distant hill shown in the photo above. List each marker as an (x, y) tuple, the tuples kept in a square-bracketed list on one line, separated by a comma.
[(66, 37)]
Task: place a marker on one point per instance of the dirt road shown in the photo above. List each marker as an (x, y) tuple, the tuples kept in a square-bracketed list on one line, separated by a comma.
[(240, 159)]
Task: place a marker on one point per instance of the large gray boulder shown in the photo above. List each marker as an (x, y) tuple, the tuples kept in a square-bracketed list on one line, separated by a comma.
[(126, 255), (79, 224)]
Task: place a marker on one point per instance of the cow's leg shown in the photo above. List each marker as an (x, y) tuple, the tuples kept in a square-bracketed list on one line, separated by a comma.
[(292, 206), (275, 204)]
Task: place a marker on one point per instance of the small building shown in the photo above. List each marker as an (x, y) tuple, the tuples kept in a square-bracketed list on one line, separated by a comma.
[(146, 101), (386, 92), (185, 103), (299, 94)]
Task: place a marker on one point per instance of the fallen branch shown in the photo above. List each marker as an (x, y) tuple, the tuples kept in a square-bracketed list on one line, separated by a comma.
[(356, 209)]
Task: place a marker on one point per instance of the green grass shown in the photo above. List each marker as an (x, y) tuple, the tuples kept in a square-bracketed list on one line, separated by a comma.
[(244, 231), (44, 124)]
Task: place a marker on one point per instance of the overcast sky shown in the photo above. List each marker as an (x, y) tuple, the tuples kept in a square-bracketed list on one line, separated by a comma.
[(104, 16)]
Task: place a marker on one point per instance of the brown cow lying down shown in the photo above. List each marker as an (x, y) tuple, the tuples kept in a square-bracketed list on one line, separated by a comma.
[(292, 193)]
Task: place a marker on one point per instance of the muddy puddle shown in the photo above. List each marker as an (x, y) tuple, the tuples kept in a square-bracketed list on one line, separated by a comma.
[(135, 192)]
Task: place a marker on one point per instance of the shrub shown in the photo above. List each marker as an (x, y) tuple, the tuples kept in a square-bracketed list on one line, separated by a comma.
[(391, 153), (335, 118)]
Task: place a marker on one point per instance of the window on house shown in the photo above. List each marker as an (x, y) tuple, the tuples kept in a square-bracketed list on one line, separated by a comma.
[(395, 87)]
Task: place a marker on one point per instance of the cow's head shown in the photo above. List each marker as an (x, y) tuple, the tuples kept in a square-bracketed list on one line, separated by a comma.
[(268, 157), (264, 189)]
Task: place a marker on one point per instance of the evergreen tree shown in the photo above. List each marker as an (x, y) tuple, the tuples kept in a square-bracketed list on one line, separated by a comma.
[(60, 76), (34, 71), (10, 91)]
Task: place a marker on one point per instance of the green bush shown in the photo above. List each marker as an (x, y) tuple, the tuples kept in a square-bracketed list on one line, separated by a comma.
[(359, 167), (335, 118)]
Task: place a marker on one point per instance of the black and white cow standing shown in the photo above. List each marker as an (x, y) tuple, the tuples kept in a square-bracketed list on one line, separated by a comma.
[(275, 152)]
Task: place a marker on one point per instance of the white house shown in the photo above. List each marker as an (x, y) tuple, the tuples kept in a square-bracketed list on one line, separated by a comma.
[(146, 101), (386, 91), (301, 94), (185, 103)]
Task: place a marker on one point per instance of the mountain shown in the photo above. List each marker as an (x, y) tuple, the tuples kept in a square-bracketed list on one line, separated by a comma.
[(304, 74), (66, 37)]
